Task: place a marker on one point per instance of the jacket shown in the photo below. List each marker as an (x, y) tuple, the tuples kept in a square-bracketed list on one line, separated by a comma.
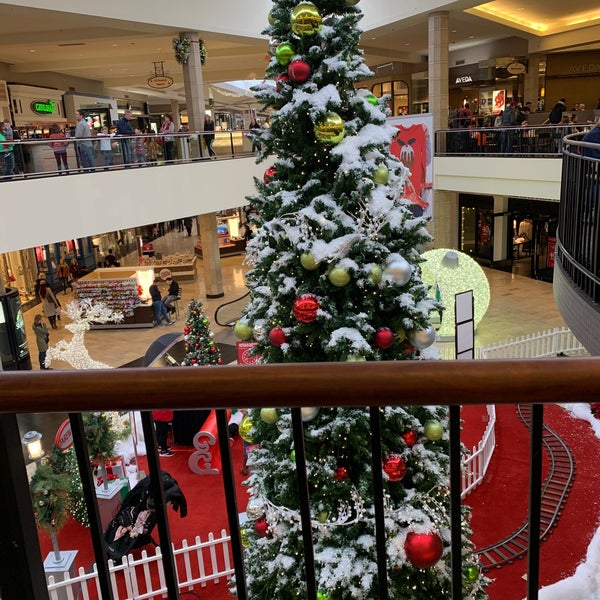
[(166, 416), (41, 336)]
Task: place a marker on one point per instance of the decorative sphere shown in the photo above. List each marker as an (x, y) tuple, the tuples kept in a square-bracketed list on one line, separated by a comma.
[(384, 338), (242, 330), (322, 516), (307, 260), (269, 415), (422, 338), (372, 99), (399, 270), (306, 19), (299, 71), (339, 277), (410, 438), (341, 473), (277, 337), (284, 54), (257, 331), (352, 2), (309, 413), (382, 175), (472, 573), (375, 274), (434, 430), (271, 18), (283, 78), (269, 174), (305, 308), (423, 550), (244, 538), (245, 429), (355, 358), (254, 509), (394, 466), (293, 455), (400, 334), (330, 129), (322, 596), (261, 527)]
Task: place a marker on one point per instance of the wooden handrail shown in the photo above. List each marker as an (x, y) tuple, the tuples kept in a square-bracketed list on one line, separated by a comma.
[(305, 384)]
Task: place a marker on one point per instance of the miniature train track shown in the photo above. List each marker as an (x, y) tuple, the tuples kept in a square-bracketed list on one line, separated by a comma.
[(556, 487)]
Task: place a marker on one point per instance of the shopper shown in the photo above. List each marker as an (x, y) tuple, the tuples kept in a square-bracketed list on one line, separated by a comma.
[(84, 148), (63, 272), (59, 145), (106, 146), (162, 422), (172, 295), (124, 129), (209, 135), (75, 269), (159, 308), (7, 150), (187, 222), (42, 337), (167, 129), (50, 305)]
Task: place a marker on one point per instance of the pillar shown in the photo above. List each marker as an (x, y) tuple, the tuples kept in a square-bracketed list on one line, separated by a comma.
[(501, 226), (211, 258), (532, 80)]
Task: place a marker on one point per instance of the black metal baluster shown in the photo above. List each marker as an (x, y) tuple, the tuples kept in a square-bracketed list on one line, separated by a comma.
[(535, 498), (231, 503), (376, 469), (304, 496)]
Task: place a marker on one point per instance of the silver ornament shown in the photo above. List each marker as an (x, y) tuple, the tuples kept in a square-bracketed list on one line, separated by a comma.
[(309, 413), (254, 509), (399, 270), (421, 338)]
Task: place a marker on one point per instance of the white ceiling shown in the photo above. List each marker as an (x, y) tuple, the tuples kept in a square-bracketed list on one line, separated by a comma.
[(122, 53)]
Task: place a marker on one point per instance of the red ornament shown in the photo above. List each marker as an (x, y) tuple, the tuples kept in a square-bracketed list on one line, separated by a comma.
[(299, 71), (410, 438), (269, 174), (219, 361), (283, 78), (423, 550), (306, 307), (193, 361), (261, 527), (277, 336), (341, 473), (394, 467), (384, 338)]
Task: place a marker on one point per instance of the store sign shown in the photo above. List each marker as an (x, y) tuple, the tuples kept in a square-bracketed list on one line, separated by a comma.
[(463, 79), (64, 436), (160, 82), (498, 101), (43, 107), (516, 68), (464, 75)]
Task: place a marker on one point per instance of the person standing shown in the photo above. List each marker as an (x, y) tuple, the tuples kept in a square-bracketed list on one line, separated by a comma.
[(110, 260), (124, 129), (140, 148), (167, 129), (7, 150), (84, 148), (162, 422), (187, 223), (42, 337), (255, 143), (509, 119), (555, 116), (172, 295), (49, 303), (209, 137), (75, 270), (106, 146), (63, 272), (157, 303), (59, 145)]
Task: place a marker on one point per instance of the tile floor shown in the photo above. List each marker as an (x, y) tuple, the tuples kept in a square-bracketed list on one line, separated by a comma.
[(518, 306)]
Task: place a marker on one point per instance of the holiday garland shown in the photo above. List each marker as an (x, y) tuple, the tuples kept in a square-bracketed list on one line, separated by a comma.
[(183, 47)]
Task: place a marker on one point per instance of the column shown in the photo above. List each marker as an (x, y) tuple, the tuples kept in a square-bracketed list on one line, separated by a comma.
[(438, 41), (501, 227), (532, 80), (210, 256)]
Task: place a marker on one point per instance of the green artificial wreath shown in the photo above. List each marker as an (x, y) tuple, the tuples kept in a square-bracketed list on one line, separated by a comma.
[(183, 47)]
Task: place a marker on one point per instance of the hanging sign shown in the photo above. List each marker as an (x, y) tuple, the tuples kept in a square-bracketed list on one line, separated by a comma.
[(64, 436), (43, 107), (516, 68), (160, 82)]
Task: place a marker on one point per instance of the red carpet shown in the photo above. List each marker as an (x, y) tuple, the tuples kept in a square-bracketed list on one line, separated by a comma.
[(499, 504)]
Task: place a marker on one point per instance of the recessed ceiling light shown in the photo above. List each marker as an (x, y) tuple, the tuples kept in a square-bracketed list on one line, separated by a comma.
[(471, 37), (115, 45), (453, 31), (32, 51)]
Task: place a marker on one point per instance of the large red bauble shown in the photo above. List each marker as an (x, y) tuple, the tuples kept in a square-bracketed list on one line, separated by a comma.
[(423, 550), (394, 467), (299, 71), (410, 438), (261, 527), (305, 308), (277, 336), (269, 174), (341, 473), (384, 338)]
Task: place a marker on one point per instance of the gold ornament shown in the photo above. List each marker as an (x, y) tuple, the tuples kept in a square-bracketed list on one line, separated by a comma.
[(245, 429), (339, 277), (382, 175), (306, 19), (308, 261), (254, 509), (271, 18), (330, 129), (244, 538)]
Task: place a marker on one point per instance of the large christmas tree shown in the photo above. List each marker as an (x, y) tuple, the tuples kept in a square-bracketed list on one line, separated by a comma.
[(334, 277)]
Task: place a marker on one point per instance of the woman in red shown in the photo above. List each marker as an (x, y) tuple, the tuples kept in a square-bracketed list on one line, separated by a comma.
[(162, 421)]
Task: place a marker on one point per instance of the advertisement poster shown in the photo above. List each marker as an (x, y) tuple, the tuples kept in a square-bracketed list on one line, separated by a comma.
[(413, 146), (551, 250), (499, 101)]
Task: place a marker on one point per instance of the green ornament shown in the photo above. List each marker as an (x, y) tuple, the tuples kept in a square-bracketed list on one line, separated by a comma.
[(382, 175), (322, 596), (373, 99), (355, 358), (242, 331), (284, 54), (434, 430), (293, 455), (269, 415), (339, 277), (308, 261), (271, 18), (472, 573), (322, 517), (376, 274), (352, 2)]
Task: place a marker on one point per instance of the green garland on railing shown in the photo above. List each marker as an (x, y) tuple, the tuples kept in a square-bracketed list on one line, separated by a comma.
[(183, 47)]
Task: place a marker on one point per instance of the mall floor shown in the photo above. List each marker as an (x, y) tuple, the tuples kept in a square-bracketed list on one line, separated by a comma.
[(518, 306)]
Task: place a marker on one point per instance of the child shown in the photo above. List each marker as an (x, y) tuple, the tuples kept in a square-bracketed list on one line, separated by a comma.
[(140, 148), (106, 146)]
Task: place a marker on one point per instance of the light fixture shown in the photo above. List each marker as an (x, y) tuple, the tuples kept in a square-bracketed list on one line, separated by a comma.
[(33, 441)]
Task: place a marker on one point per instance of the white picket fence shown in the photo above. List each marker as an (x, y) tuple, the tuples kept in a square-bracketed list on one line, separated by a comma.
[(132, 579), (474, 466)]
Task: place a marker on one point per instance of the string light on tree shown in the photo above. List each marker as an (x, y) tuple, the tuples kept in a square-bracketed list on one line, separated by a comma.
[(200, 346)]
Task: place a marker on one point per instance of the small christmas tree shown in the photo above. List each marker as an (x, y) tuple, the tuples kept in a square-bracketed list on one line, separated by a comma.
[(200, 345)]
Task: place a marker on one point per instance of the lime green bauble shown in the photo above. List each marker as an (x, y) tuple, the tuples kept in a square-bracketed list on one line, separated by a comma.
[(322, 596), (434, 430), (322, 516), (306, 19), (373, 99), (271, 18), (330, 129), (376, 274), (293, 455), (242, 330), (355, 358), (307, 260), (339, 277), (400, 334), (352, 2), (269, 415), (381, 175), (284, 54), (472, 573), (245, 429), (244, 538)]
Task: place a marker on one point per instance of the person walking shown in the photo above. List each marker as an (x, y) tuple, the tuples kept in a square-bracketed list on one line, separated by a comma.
[(84, 148), (162, 422), (209, 136), (167, 129), (172, 295), (42, 337), (59, 145), (63, 272), (555, 116), (75, 269), (50, 305), (159, 308)]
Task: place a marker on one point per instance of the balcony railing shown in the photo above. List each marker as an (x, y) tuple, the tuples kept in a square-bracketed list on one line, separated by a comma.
[(371, 384)]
